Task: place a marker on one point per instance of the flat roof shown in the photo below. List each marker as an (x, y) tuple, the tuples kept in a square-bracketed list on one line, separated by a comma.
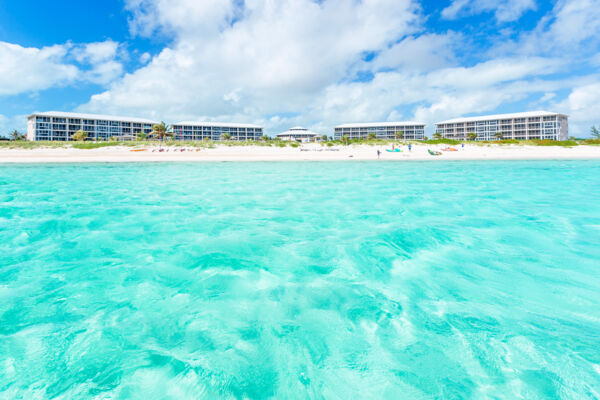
[(298, 131), (501, 116), (379, 124), (61, 114), (217, 124)]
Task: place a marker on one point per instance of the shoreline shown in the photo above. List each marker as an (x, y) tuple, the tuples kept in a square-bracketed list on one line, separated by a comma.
[(305, 152)]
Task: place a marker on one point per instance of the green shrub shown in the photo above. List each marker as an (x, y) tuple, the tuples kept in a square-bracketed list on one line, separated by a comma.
[(591, 141), (441, 141), (548, 142), (97, 145)]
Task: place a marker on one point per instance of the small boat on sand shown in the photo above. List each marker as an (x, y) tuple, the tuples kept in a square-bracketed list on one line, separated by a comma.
[(449, 149), (138, 150), (393, 150), (434, 153)]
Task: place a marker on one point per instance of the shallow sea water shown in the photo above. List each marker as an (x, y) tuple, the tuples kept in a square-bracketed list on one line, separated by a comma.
[(300, 280)]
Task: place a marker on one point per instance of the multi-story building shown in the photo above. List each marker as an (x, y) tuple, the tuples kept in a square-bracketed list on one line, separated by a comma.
[(382, 130), (54, 125), (216, 131), (522, 126)]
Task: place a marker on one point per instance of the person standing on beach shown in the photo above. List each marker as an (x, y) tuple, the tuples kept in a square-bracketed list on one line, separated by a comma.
[(409, 147), (378, 154)]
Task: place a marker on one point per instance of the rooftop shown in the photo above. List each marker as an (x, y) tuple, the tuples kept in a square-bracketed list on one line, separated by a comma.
[(62, 114), (298, 130), (380, 124), (501, 116), (217, 124)]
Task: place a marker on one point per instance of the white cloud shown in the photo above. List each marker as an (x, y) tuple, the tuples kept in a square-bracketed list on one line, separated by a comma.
[(504, 10), (24, 69), (99, 60), (571, 29), (266, 56), (296, 62), (145, 57), (96, 52), (583, 107), (424, 52)]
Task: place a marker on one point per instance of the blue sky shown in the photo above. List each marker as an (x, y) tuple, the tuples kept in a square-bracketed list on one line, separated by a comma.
[(300, 62)]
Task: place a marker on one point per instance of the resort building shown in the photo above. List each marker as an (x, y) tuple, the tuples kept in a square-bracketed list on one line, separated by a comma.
[(53, 125), (299, 134), (522, 126), (382, 130), (216, 131)]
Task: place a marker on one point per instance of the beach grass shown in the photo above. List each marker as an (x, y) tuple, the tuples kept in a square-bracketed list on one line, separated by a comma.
[(208, 144)]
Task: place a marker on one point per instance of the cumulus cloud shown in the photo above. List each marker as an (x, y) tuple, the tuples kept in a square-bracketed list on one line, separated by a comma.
[(255, 58), (583, 107), (24, 69), (504, 10), (317, 64)]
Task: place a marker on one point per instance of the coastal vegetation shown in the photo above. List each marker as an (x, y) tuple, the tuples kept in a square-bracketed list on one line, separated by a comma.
[(167, 141), (80, 136)]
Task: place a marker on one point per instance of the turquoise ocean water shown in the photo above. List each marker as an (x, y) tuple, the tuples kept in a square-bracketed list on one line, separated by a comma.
[(300, 280)]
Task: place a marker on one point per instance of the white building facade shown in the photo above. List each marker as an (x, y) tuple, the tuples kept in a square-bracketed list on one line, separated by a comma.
[(521, 126), (61, 126), (382, 130), (298, 134), (216, 131)]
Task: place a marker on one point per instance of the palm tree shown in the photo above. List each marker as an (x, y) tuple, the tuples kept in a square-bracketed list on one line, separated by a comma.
[(595, 132), (499, 135), (16, 135), (399, 135), (225, 136), (371, 136), (161, 131), (265, 138), (345, 139), (471, 136), (437, 135), (324, 138), (80, 135), (141, 135)]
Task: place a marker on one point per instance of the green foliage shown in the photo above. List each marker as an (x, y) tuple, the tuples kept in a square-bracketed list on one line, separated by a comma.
[(399, 135), (499, 135), (471, 136), (80, 135), (95, 145), (437, 135), (371, 136), (16, 135), (345, 139), (440, 141), (225, 136), (591, 141), (508, 141), (161, 131), (324, 138), (141, 135), (294, 144)]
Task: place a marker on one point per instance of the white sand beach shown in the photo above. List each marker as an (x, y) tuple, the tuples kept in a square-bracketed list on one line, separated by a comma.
[(305, 152)]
